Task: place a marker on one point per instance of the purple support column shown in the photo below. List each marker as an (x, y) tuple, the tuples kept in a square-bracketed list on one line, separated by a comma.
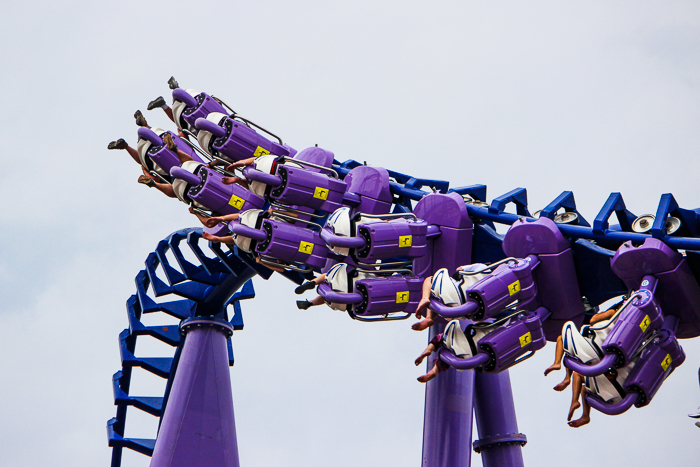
[(447, 426), (499, 441), (449, 398), (198, 426)]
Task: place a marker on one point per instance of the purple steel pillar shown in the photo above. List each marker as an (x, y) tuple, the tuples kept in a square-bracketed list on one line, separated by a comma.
[(198, 426), (449, 398), (447, 425), (500, 444)]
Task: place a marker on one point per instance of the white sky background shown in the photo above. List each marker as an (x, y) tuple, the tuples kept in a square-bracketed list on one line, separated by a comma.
[(592, 97)]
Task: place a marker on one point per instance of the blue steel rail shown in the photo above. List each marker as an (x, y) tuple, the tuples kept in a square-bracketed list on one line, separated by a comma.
[(193, 287), (208, 288)]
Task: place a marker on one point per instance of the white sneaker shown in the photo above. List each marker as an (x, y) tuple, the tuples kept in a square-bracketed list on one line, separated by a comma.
[(695, 414)]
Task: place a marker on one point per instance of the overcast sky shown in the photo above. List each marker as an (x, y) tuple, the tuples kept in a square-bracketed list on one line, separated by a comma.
[(590, 96)]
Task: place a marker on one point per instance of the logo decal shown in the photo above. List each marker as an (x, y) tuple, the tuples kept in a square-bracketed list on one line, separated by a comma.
[(667, 362), (306, 247), (402, 297), (405, 240), (260, 152), (321, 193), (514, 287), (525, 339), (645, 323), (236, 202)]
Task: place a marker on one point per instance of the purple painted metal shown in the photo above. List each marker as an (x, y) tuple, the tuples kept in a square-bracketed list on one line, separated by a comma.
[(202, 106), (390, 239), (499, 443), (211, 127), (447, 425), (330, 295), (149, 135), (678, 293), (453, 247), (186, 175), (468, 308), (158, 152), (508, 282), (220, 230), (293, 243), (317, 156), (252, 174), (538, 237), (385, 295), (597, 369), (449, 398), (509, 343), (612, 409), (340, 241), (182, 95), (245, 231), (239, 141), (476, 361), (165, 158), (372, 186), (557, 284), (637, 320), (221, 198), (506, 346), (199, 430), (186, 147), (303, 187), (185, 97), (655, 364)]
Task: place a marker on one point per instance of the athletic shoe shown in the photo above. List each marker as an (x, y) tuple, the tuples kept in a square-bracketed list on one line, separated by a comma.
[(304, 287), (303, 304), (156, 103), (148, 181), (172, 83), (118, 144), (140, 119)]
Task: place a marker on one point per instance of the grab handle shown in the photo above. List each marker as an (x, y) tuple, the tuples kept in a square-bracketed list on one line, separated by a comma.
[(454, 361), (184, 96), (258, 176), (341, 241), (211, 127), (613, 409), (330, 295), (590, 370), (453, 312)]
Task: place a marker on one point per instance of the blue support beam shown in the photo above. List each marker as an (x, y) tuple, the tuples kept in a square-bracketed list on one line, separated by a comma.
[(209, 289)]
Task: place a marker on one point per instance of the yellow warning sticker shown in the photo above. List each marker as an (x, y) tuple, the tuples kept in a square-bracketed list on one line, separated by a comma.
[(667, 362), (321, 193), (306, 247), (645, 323), (260, 152), (402, 297), (405, 240), (236, 202), (525, 339), (514, 287)]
